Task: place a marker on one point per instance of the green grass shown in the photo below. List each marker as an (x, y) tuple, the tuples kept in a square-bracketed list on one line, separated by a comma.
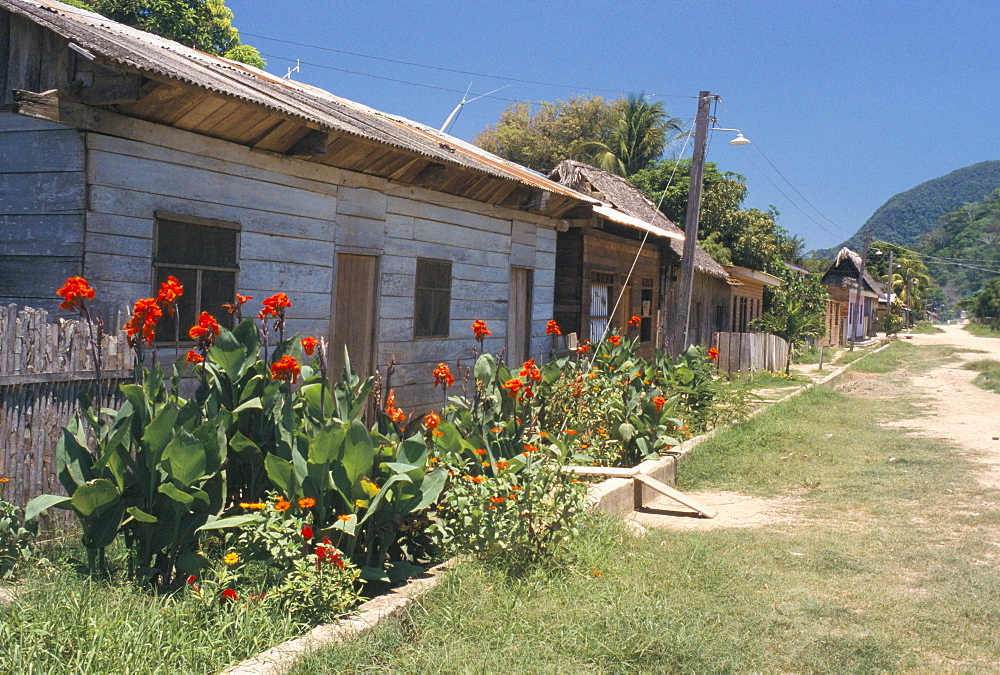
[(982, 330), (926, 328), (887, 564), (64, 622), (989, 374)]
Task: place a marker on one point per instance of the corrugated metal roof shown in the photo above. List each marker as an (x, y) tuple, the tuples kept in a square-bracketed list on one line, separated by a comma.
[(623, 218), (148, 53)]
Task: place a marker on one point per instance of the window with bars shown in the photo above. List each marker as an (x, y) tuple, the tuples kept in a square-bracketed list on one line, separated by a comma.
[(601, 298), (202, 255), (432, 299)]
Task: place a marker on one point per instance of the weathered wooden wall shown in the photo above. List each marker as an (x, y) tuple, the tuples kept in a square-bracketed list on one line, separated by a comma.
[(42, 203), (44, 367), (741, 353), (709, 293)]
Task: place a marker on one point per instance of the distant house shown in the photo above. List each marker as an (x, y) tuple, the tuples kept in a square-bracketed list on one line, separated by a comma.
[(747, 296), (841, 281), (125, 158), (594, 257)]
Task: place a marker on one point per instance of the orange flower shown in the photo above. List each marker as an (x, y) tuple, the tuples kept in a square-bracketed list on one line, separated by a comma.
[(345, 518), (391, 411), (480, 329), (432, 421), (713, 353), (543, 434), (635, 321), (287, 368), (614, 339), (240, 301), (659, 402), (478, 479), (145, 315), (479, 451), (596, 573), (307, 503), (309, 345), (194, 357), (513, 386), (170, 290), (583, 349), (496, 430), (442, 376), (274, 306), (515, 487), (256, 506), (571, 431), (206, 330), (502, 465), (531, 371), (529, 449), (497, 500), (552, 328), (438, 433), (282, 504), (74, 292)]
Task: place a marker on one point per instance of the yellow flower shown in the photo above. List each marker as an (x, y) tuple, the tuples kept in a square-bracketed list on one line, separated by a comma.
[(231, 558)]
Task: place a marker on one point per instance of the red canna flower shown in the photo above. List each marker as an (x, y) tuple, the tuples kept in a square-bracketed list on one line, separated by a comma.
[(513, 386), (228, 595), (531, 371), (145, 315), (391, 411), (659, 402), (307, 533), (191, 579), (614, 339), (552, 328), (583, 349), (713, 353), (170, 290), (480, 329), (275, 306), (287, 369), (309, 345), (443, 376), (635, 321), (194, 357), (74, 292), (234, 307), (432, 421)]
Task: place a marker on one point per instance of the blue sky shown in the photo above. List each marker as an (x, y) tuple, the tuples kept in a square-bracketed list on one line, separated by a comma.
[(852, 102)]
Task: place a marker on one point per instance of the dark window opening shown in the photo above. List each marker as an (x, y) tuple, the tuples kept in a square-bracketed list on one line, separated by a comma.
[(204, 259), (432, 301)]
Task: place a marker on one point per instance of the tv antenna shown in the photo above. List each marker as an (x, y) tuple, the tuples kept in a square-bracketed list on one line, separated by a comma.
[(296, 69), (465, 99)]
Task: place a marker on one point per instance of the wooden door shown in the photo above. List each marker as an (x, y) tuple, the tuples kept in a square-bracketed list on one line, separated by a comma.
[(355, 314), (519, 316)]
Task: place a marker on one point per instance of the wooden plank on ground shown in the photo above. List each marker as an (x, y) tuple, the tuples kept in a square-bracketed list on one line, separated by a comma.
[(610, 471), (676, 495)]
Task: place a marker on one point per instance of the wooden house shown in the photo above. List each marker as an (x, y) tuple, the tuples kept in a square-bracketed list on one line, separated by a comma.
[(747, 296), (125, 157), (594, 264), (841, 281)]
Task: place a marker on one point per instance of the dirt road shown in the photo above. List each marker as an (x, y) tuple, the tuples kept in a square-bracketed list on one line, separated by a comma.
[(957, 410)]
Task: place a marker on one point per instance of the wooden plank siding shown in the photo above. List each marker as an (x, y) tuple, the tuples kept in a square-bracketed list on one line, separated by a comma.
[(42, 204)]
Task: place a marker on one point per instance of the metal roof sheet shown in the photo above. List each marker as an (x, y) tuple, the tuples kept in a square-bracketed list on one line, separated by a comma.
[(622, 218), (148, 53)]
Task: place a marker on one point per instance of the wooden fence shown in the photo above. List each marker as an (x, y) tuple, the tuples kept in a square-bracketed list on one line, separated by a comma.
[(44, 367), (750, 352)]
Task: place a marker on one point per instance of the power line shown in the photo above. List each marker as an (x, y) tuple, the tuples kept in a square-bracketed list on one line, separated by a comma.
[(449, 70)]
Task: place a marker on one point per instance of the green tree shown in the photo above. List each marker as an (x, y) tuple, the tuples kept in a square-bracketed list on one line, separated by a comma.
[(796, 311), (639, 137), (985, 304), (541, 135), (200, 24), (751, 236)]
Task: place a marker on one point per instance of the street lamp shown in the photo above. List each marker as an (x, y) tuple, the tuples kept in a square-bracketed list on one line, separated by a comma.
[(740, 138)]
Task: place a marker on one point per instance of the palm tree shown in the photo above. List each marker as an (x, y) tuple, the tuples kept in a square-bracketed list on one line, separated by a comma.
[(910, 283), (639, 137)]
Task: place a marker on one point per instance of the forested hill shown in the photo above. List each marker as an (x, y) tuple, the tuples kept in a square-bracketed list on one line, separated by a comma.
[(908, 216)]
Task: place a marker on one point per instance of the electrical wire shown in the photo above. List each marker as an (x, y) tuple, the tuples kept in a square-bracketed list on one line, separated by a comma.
[(450, 70)]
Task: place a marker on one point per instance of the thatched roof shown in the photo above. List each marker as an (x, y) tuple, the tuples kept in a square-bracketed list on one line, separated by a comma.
[(844, 272), (622, 195), (131, 50)]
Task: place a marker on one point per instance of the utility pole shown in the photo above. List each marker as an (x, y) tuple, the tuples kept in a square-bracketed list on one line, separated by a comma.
[(682, 329), (888, 293), (858, 301)]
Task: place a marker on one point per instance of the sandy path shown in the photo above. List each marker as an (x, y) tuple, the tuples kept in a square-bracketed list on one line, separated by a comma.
[(956, 409)]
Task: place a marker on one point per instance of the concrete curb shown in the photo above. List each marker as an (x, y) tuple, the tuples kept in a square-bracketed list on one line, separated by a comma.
[(282, 657), (621, 496)]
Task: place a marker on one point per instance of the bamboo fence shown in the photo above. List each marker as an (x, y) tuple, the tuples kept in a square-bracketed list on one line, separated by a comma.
[(44, 367)]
